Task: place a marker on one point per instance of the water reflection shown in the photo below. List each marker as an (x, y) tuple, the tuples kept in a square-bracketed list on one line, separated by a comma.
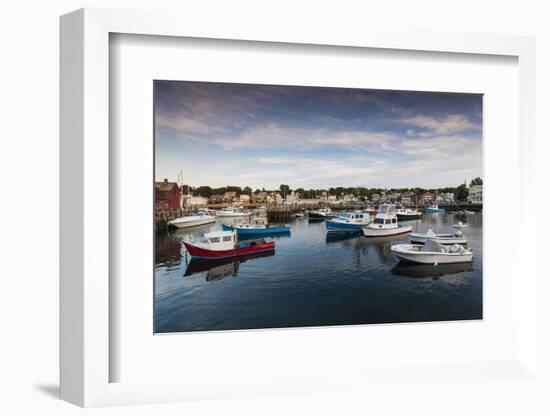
[(274, 236), (221, 268), (428, 270), (334, 237), (314, 279), (167, 251)]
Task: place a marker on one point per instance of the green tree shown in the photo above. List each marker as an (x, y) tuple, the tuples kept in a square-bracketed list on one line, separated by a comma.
[(476, 181), (285, 190), (247, 190), (462, 193), (205, 191)]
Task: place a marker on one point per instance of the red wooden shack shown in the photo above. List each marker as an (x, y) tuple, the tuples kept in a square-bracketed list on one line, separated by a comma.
[(167, 195)]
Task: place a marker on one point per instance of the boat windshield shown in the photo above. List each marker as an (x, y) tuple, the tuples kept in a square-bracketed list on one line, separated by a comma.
[(432, 246)]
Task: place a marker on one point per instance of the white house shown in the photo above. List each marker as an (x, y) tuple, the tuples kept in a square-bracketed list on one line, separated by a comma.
[(194, 201), (292, 198), (476, 194)]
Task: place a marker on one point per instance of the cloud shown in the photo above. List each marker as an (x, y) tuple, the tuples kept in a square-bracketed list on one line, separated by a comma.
[(273, 135), (262, 136), (187, 125), (452, 123)]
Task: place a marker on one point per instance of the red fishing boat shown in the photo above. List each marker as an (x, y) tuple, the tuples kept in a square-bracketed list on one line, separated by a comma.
[(225, 244)]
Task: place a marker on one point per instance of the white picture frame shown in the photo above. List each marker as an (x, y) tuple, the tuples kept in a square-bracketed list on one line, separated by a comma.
[(85, 211)]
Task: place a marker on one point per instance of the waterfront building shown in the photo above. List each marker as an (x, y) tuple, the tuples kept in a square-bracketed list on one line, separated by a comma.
[(427, 197), (274, 198), (448, 197), (167, 195), (229, 197), (244, 198), (194, 201), (292, 198), (216, 199), (476, 194), (310, 201), (349, 198), (260, 197)]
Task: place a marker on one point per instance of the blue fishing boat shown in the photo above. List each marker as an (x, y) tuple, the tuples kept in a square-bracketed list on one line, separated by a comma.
[(434, 208), (257, 226), (348, 222)]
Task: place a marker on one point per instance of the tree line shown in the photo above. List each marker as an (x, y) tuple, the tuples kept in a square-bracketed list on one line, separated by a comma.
[(460, 191)]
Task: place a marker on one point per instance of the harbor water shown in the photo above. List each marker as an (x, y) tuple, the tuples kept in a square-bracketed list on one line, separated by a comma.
[(315, 279)]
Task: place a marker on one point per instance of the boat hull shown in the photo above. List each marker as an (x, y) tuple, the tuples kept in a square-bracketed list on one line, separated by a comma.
[(428, 258), (257, 231), (202, 253), (336, 226), (192, 223), (404, 217), (385, 232), (317, 216), (434, 210), (406, 253)]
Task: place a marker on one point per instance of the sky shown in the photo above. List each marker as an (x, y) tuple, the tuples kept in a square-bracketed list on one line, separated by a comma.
[(262, 136)]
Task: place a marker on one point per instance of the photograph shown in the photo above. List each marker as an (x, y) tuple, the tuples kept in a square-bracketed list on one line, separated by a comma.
[(292, 206)]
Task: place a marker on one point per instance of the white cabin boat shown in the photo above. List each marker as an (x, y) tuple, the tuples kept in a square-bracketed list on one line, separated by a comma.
[(193, 220), (320, 214), (232, 212), (432, 253), (421, 238), (460, 224), (385, 223)]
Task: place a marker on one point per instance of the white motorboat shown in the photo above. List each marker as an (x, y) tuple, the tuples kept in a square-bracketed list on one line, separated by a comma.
[(460, 224), (421, 238), (207, 211), (385, 223), (232, 212), (432, 253), (194, 220)]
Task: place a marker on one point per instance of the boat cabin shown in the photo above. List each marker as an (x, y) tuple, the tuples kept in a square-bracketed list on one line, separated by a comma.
[(220, 240), (386, 215), (259, 221), (385, 220), (356, 216)]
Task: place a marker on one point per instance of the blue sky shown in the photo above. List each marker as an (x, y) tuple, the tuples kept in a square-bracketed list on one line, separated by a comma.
[(307, 137)]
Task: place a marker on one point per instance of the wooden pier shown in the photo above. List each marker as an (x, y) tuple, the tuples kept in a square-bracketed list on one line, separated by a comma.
[(163, 216)]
